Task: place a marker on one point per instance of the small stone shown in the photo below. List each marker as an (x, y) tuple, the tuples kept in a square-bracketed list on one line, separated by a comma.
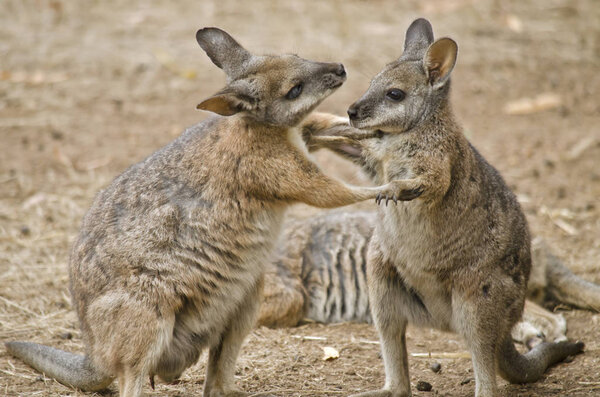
[(56, 135), (66, 335), (39, 378), (25, 230), (466, 381), (424, 386), (435, 367)]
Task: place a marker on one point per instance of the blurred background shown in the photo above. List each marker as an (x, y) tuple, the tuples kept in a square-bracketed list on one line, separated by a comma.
[(87, 88)]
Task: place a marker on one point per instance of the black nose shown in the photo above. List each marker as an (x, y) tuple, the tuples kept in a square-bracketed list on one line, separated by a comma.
[(352, 112), (340, 71)]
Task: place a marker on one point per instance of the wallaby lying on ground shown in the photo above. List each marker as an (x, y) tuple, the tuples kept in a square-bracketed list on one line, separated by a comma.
[(170, 257), (456, 256), (318, 273)]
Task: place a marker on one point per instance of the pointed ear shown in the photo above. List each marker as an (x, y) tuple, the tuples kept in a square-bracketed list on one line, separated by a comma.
[(439, 61), (233, 99), (225, 104), (223, 50), (419, 35)]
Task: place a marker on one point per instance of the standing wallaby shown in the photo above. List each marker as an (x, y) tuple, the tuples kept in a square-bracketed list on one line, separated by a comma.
[(456, 255), (170, 257)]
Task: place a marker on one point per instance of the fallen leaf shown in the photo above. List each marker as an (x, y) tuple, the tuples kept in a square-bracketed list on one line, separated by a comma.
[(329, 353), (514, 23)]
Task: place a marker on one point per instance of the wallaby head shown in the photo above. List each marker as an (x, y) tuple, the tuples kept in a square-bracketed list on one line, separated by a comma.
[(277, 90), (410, 89)]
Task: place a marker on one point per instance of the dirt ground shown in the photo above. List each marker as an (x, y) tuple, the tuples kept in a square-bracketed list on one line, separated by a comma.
[(88, 88)]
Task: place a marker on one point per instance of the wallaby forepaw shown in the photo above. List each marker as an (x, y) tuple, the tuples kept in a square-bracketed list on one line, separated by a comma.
[(410, 194), (384, 197), (403, 195)]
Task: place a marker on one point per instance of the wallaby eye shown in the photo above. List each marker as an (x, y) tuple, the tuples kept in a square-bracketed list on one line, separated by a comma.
[(395, 94), (294, 92)]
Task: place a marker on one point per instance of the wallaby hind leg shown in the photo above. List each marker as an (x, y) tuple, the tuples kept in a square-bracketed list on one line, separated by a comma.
[(481, 335), (388, 301), (222, 357), (131, 382)]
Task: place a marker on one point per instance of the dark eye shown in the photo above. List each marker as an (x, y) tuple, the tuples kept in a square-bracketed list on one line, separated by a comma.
[(395, 94), (294, 92)]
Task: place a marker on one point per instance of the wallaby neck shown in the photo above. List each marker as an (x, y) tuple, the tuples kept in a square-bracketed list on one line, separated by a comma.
[(441, 122)]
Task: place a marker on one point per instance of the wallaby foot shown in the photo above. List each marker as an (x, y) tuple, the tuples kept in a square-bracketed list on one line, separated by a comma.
[(385, 289)]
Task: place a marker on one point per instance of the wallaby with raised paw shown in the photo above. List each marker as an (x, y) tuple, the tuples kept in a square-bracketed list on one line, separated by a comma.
[(170, 257), (455, 253)]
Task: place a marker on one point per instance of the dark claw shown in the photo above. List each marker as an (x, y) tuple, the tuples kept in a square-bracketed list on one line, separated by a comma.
[(395, 199), (387, 198), (378, 198), (152, 381), (411, 194)]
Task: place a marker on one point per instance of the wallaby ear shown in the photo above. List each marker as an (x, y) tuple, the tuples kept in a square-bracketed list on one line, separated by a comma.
[(229, 101), (223, 50), (419, 35), (439, 61)]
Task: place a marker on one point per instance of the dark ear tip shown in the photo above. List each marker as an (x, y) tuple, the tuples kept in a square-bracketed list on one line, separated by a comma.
[(421, 21), (419, 29), (201, 33)]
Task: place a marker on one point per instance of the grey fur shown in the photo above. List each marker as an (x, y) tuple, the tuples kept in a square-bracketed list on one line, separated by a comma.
[(455, 253)]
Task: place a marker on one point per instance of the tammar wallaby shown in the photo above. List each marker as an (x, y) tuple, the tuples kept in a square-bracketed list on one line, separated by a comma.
[(169, 259), (457, 255)]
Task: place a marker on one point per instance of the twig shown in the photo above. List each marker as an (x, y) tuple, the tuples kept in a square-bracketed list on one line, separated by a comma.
[(309, 337), (584, 388), (309, 392), (442, 355), (368, 342), (17, 374), (11, 303)]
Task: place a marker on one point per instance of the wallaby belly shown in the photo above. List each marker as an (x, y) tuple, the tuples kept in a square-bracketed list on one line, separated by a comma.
[(411, 243)]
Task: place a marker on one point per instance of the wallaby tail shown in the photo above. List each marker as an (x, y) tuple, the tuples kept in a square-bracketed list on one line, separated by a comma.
[(69, 369), (568, 288), (529, 367)]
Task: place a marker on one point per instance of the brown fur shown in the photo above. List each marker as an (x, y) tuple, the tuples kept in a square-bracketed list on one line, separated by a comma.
[(170, 257), (455, 253)]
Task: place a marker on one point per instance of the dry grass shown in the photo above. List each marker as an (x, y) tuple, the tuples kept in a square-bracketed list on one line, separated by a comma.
[(86, 89)]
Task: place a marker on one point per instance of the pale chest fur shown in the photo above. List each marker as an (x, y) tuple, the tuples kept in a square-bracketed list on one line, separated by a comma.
[(405, 237), (294, 137), (408, 237)]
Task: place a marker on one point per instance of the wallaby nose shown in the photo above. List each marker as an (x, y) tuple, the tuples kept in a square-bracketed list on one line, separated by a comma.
[(352, 112), (340, 71)]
